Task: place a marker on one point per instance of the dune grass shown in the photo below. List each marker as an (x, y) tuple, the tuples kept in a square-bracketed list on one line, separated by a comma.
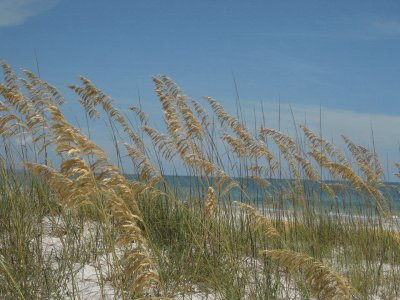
[(73, 225)]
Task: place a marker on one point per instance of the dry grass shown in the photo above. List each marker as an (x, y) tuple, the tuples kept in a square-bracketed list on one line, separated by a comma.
[(165, 242)]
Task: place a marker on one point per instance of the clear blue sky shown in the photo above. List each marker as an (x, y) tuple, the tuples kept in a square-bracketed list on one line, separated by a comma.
[(344, 55)]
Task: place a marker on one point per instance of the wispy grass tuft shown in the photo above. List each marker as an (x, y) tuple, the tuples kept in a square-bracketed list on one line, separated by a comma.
[(257, 214)]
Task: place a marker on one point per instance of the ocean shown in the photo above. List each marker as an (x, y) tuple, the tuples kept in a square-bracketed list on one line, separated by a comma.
[(281, 193)]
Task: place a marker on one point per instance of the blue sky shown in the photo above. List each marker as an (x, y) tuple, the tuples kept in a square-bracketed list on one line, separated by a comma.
[(342, 55)]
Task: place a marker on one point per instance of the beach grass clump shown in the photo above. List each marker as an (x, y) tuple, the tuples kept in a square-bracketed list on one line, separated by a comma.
[(259, 215)]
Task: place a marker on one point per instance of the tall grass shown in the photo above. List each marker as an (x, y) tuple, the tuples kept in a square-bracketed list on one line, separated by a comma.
[(74, 225)]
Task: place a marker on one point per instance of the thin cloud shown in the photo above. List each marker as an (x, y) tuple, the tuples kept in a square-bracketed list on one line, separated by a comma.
[(368, 129), (387, 27), (335, 122), (354, 27), (15, 12)]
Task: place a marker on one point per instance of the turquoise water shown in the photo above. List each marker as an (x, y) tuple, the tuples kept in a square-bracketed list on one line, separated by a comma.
[(279, 193)]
